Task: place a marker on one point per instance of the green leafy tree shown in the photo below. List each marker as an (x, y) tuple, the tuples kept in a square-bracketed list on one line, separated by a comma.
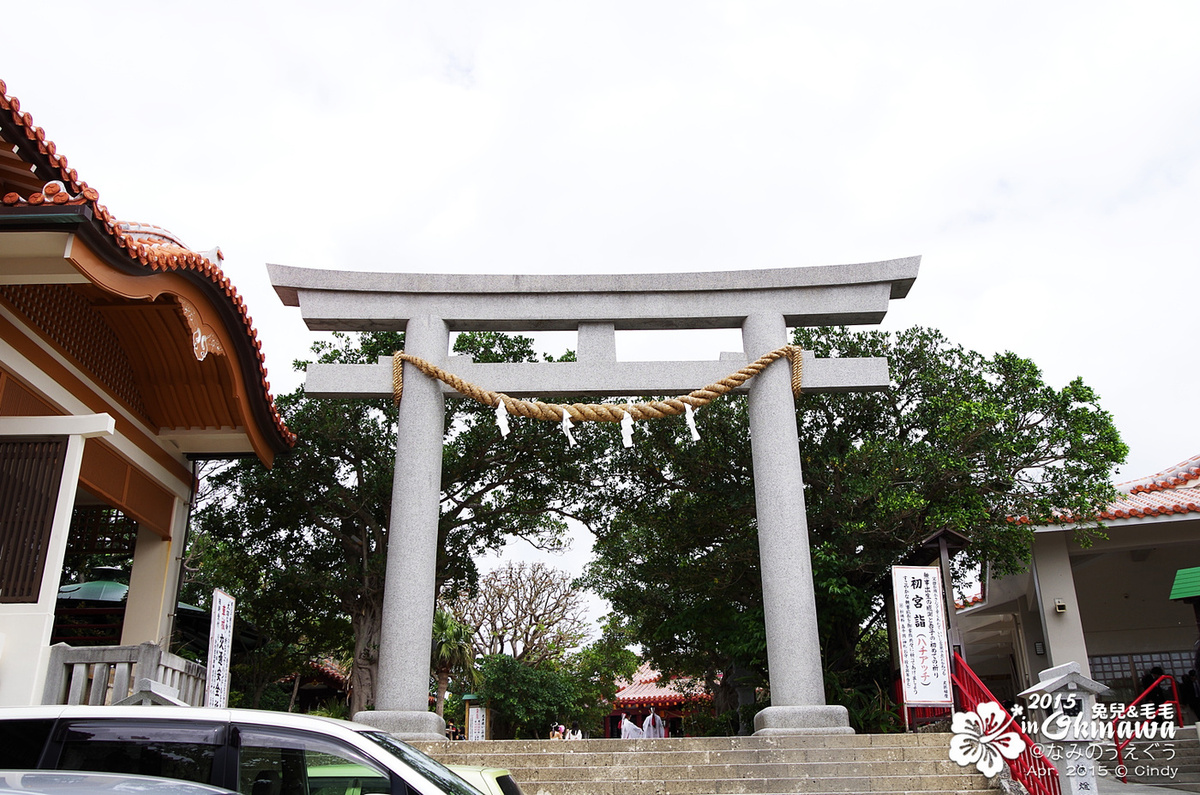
[(594, 671), (679, 559), (323, 511), (524, 700), (960, 442), (978, 445), (283, 619), (527, 699), (530, 615)]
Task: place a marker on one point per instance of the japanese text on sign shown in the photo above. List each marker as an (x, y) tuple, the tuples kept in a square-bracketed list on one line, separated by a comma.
[(921, 629), (477, 723), (220, 644)]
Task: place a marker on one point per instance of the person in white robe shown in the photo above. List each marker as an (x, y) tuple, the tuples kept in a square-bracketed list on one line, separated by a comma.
[(654, 726), (629, 729)]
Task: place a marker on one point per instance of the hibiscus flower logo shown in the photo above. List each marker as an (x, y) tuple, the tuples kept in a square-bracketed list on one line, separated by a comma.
[(980, 739)]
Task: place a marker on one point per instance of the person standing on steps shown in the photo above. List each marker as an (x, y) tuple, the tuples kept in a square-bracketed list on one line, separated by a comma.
[(654, 727)]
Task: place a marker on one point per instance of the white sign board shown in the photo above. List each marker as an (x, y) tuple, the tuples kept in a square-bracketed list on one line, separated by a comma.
[(477, 718), (220, 644), (921, 627)]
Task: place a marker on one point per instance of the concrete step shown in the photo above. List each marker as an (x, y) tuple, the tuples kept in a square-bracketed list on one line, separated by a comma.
[(1161, 763), (648, 769), (776, 765), (706, 757), (754, 786), (911, 742), (712, 743)]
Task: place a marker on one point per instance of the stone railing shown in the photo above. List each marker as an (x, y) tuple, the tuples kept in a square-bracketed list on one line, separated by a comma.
[(99, 675)]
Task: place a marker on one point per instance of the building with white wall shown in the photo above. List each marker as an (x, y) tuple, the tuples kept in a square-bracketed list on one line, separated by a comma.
[(124, 357), (1106, 606)]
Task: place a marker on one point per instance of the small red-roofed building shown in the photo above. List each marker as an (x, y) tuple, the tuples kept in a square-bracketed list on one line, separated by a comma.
[(672, 700), (319, 684), (125, 357), (1106, 606)]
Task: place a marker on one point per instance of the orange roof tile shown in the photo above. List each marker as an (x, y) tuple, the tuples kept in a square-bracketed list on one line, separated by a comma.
[(333, 672), (152, 247), (1173, 491), (1179, 475), (647, 689)]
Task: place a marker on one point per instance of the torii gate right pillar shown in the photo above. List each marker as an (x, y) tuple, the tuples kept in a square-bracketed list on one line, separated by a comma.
[(793, 642)]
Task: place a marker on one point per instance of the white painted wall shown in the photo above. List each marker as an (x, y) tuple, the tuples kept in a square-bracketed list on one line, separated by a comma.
[(1124, 604), (156, 562)]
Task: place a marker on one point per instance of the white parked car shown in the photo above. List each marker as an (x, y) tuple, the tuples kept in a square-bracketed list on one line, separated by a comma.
[(252, 752), (61, 782)]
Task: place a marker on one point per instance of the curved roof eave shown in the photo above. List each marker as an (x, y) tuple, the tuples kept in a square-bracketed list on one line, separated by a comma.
[(137, 250)]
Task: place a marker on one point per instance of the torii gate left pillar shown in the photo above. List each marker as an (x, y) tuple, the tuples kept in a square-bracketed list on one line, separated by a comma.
[(762, 303)]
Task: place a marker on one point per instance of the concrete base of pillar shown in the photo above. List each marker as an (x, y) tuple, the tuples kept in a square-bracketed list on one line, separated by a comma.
[(405, 725), (803, 720)]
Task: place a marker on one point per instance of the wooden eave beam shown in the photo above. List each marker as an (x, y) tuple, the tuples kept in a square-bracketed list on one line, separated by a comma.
[(96, 247)]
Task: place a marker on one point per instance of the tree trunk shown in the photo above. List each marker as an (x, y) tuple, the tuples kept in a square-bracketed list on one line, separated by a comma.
[(295, 693), (736, 693), (443, 684), (367, 624), (258, 693)]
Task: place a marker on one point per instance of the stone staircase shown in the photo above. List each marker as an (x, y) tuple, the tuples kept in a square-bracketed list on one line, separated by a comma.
[(1160, 763), (811, 764)]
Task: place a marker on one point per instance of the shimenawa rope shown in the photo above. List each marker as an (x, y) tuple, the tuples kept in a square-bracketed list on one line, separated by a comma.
[(599, 412)]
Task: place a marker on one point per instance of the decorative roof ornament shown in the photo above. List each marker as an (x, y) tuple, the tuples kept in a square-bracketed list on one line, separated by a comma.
[(204, 338)]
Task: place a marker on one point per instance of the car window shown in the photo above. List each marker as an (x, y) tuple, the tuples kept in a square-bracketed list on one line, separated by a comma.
[(446, 780), (509, 785), (148, 748), (23, 741), (281, 762)]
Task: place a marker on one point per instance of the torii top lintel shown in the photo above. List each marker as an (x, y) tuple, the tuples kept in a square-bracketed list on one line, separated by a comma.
[(807, 296)]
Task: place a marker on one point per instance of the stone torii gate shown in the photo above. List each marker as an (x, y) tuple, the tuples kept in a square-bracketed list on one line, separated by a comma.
[(762, 303)]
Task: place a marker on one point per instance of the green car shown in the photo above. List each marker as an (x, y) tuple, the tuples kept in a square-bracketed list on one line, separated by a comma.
[(343, 779), (488, 780)]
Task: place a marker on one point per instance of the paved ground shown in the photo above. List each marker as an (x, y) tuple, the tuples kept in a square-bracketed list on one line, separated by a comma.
[(1113, 786)]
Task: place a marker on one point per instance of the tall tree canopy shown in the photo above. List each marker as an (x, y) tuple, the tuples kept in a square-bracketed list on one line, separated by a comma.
[(960, 442), (678, 559), (284, 616), (323, 512), (529, 611)]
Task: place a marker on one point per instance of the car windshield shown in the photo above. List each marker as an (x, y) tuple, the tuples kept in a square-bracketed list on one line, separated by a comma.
[(435, 771)]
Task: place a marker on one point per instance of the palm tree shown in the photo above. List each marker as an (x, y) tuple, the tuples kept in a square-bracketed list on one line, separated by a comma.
[(453, 653)]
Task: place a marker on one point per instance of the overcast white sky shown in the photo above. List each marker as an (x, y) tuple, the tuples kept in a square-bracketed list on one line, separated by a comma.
[(1041, 157)]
